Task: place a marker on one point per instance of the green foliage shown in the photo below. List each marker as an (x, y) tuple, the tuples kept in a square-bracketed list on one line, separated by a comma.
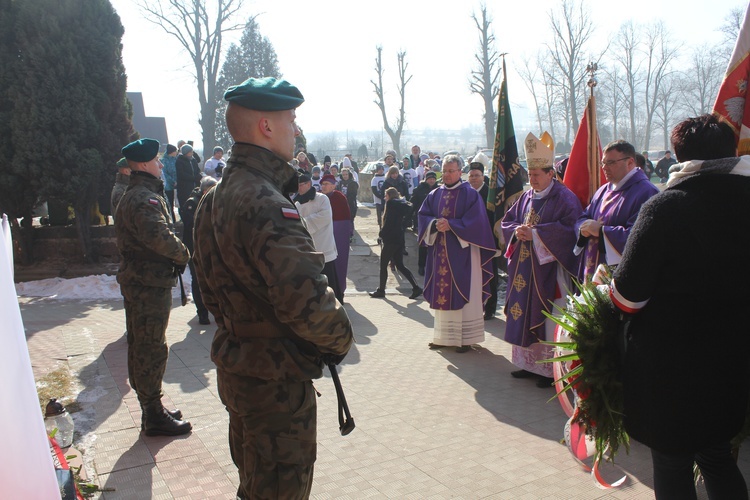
[(593, 323), (62, 104), (253, 57)]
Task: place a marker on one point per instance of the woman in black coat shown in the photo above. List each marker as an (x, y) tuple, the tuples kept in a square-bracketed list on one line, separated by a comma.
[(394, 179), (686, 373), (392, 235), (349, 187)]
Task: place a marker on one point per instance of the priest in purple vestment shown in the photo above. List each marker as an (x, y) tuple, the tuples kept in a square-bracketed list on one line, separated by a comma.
[(605, 225), (453, 225), (539, 229)]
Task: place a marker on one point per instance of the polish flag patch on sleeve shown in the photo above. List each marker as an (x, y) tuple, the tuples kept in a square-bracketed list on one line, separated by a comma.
[(289, 213), (153, 201)]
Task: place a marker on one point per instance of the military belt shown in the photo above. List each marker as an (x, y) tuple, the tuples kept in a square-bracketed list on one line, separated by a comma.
[(256, 329), (147, 256)]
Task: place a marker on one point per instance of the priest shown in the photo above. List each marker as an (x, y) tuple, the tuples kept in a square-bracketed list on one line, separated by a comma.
[(453, 225), (539, 229), (604, 226)]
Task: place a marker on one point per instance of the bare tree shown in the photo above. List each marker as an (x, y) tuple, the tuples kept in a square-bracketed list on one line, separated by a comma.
[(554, 97), (667, 99), (572, 28), (732, 24), (528, 74), (393, 132), (700, 82), (626, 55), (610, 98), (484, 79), (659, 56), (200, 31)]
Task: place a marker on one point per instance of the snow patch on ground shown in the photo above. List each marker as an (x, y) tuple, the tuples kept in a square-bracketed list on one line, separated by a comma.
[(97, 287)]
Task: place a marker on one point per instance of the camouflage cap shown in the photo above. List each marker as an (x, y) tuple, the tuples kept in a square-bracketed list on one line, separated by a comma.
[(142, 150), (122, 162), (265, 94)]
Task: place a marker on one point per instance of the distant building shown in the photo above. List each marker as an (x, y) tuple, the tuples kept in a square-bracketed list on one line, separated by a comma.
[(154, 127)]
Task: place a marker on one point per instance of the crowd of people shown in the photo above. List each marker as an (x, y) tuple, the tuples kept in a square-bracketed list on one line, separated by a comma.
[(267, 234)]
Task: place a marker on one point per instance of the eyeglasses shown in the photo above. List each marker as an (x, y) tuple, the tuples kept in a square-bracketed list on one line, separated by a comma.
[(453, 170), (609, 163)]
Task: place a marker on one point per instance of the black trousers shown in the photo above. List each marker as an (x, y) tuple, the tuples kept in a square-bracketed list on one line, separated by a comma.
[(394, 252), (673, 474), (329, 270), (196, 291)]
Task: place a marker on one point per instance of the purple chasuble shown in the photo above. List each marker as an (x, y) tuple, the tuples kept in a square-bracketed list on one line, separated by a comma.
[(532, 286), (618, 210), (448, 269), (342, 231)]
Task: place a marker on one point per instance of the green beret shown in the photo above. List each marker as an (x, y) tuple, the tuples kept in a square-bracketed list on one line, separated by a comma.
[(265, 94), (142, 150)]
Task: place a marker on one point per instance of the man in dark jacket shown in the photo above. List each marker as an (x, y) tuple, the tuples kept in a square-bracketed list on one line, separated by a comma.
[(187, 214), (662, 166), (188, 173), (417, 198)]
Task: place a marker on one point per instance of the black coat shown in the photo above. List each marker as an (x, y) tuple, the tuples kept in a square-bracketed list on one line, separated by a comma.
[(399, 183), (687, 367), (188, 177), (394, 217)]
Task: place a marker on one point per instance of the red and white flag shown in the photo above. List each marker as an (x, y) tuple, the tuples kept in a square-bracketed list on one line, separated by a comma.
[(583, 175), (731, 103)]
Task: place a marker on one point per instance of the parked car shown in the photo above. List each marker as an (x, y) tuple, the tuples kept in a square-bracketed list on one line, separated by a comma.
[(371, 167)]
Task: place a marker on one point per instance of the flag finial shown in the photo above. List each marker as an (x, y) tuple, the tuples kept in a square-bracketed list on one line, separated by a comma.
[(591, 70)]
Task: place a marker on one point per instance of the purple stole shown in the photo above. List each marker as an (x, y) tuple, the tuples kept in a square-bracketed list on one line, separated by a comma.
[(618, 210), (448, 269), (532, 286)]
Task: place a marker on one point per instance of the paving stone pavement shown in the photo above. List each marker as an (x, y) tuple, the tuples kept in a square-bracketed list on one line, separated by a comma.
[(430, 424)]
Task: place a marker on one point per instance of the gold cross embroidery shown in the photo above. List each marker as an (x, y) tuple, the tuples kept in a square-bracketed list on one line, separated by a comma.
[(442, 270), (516, 311), (519, 283), (532, 218), (441, 300), (524, 253)]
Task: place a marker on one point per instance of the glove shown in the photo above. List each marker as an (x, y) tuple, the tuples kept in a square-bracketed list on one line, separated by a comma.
[(330, 358)]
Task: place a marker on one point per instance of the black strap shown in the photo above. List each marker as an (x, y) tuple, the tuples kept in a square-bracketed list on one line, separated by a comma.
[(346, 422)]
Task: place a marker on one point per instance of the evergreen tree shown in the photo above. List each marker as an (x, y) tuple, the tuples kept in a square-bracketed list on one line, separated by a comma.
[(253, 57), (74, 117), (19, 183)]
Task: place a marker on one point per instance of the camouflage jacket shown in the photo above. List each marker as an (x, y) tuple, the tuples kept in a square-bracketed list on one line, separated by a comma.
[(260, 275), (145, 235), (122, 182)]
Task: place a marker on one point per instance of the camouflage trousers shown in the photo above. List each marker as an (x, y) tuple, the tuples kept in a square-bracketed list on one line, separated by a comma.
[(146, 316), (272, 435)]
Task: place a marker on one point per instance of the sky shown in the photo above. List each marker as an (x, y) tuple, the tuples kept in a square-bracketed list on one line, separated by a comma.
[(328, 48)]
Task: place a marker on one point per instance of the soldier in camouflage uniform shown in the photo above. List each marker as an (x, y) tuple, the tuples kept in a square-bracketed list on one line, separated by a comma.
[(122, 180), (151, 256), (262, 279)]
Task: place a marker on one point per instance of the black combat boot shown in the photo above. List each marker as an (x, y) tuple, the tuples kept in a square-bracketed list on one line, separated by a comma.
[(175, 414), (158, 422)]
